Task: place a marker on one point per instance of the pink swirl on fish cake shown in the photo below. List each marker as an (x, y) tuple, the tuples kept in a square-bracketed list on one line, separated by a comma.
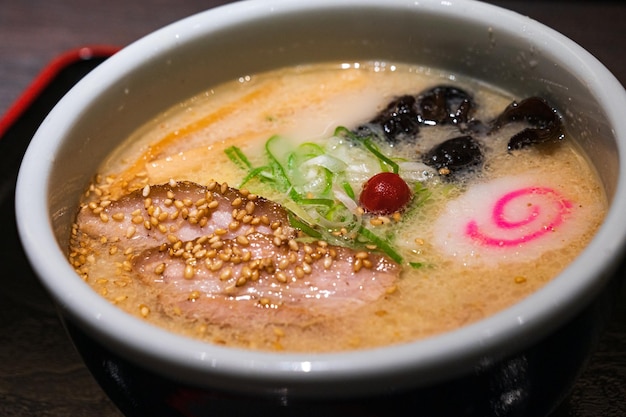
[(561, 206), (510, 219)]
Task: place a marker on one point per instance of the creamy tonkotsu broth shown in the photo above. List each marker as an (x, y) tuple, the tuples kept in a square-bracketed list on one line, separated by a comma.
[(184, 225)]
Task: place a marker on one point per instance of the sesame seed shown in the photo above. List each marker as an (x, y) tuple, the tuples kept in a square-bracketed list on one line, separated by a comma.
[(391, 289), (226, 274), (216, 245), (242, 240), (299, 272), (246, 272), (376, 221), (159, 269), (281, 277), (215, 264), (118, 216), (130, 231), (144, 310), (189, 271)]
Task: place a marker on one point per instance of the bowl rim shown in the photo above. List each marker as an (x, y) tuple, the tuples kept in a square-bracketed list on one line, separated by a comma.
[(431, 357)]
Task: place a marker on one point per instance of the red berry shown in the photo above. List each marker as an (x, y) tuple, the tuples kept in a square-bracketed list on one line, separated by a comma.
[(385, 193)]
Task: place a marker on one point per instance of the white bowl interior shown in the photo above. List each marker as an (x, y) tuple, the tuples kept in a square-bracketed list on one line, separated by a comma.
[(467, 37)]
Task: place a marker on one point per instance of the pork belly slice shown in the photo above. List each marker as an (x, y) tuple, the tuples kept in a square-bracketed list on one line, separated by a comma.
[(184, 211), (259, 280)]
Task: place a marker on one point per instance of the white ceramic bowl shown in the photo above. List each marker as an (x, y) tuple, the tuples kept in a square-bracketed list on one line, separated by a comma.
[(468, 37)]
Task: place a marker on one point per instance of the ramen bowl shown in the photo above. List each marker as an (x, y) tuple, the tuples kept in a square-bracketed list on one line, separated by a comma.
[(520, 361)]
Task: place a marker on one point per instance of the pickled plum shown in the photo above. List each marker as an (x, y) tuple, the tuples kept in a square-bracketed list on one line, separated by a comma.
[(385, 193)]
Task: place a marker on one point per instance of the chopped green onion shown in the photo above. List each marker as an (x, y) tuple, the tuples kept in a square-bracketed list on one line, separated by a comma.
[(298, 223), (371, 146), (262, 172), (317, 201), (380, 244), (317, 181), (238, 157), (348, 189)]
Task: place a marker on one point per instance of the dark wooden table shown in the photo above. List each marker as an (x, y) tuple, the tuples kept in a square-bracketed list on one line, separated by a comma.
[(40, 373)]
